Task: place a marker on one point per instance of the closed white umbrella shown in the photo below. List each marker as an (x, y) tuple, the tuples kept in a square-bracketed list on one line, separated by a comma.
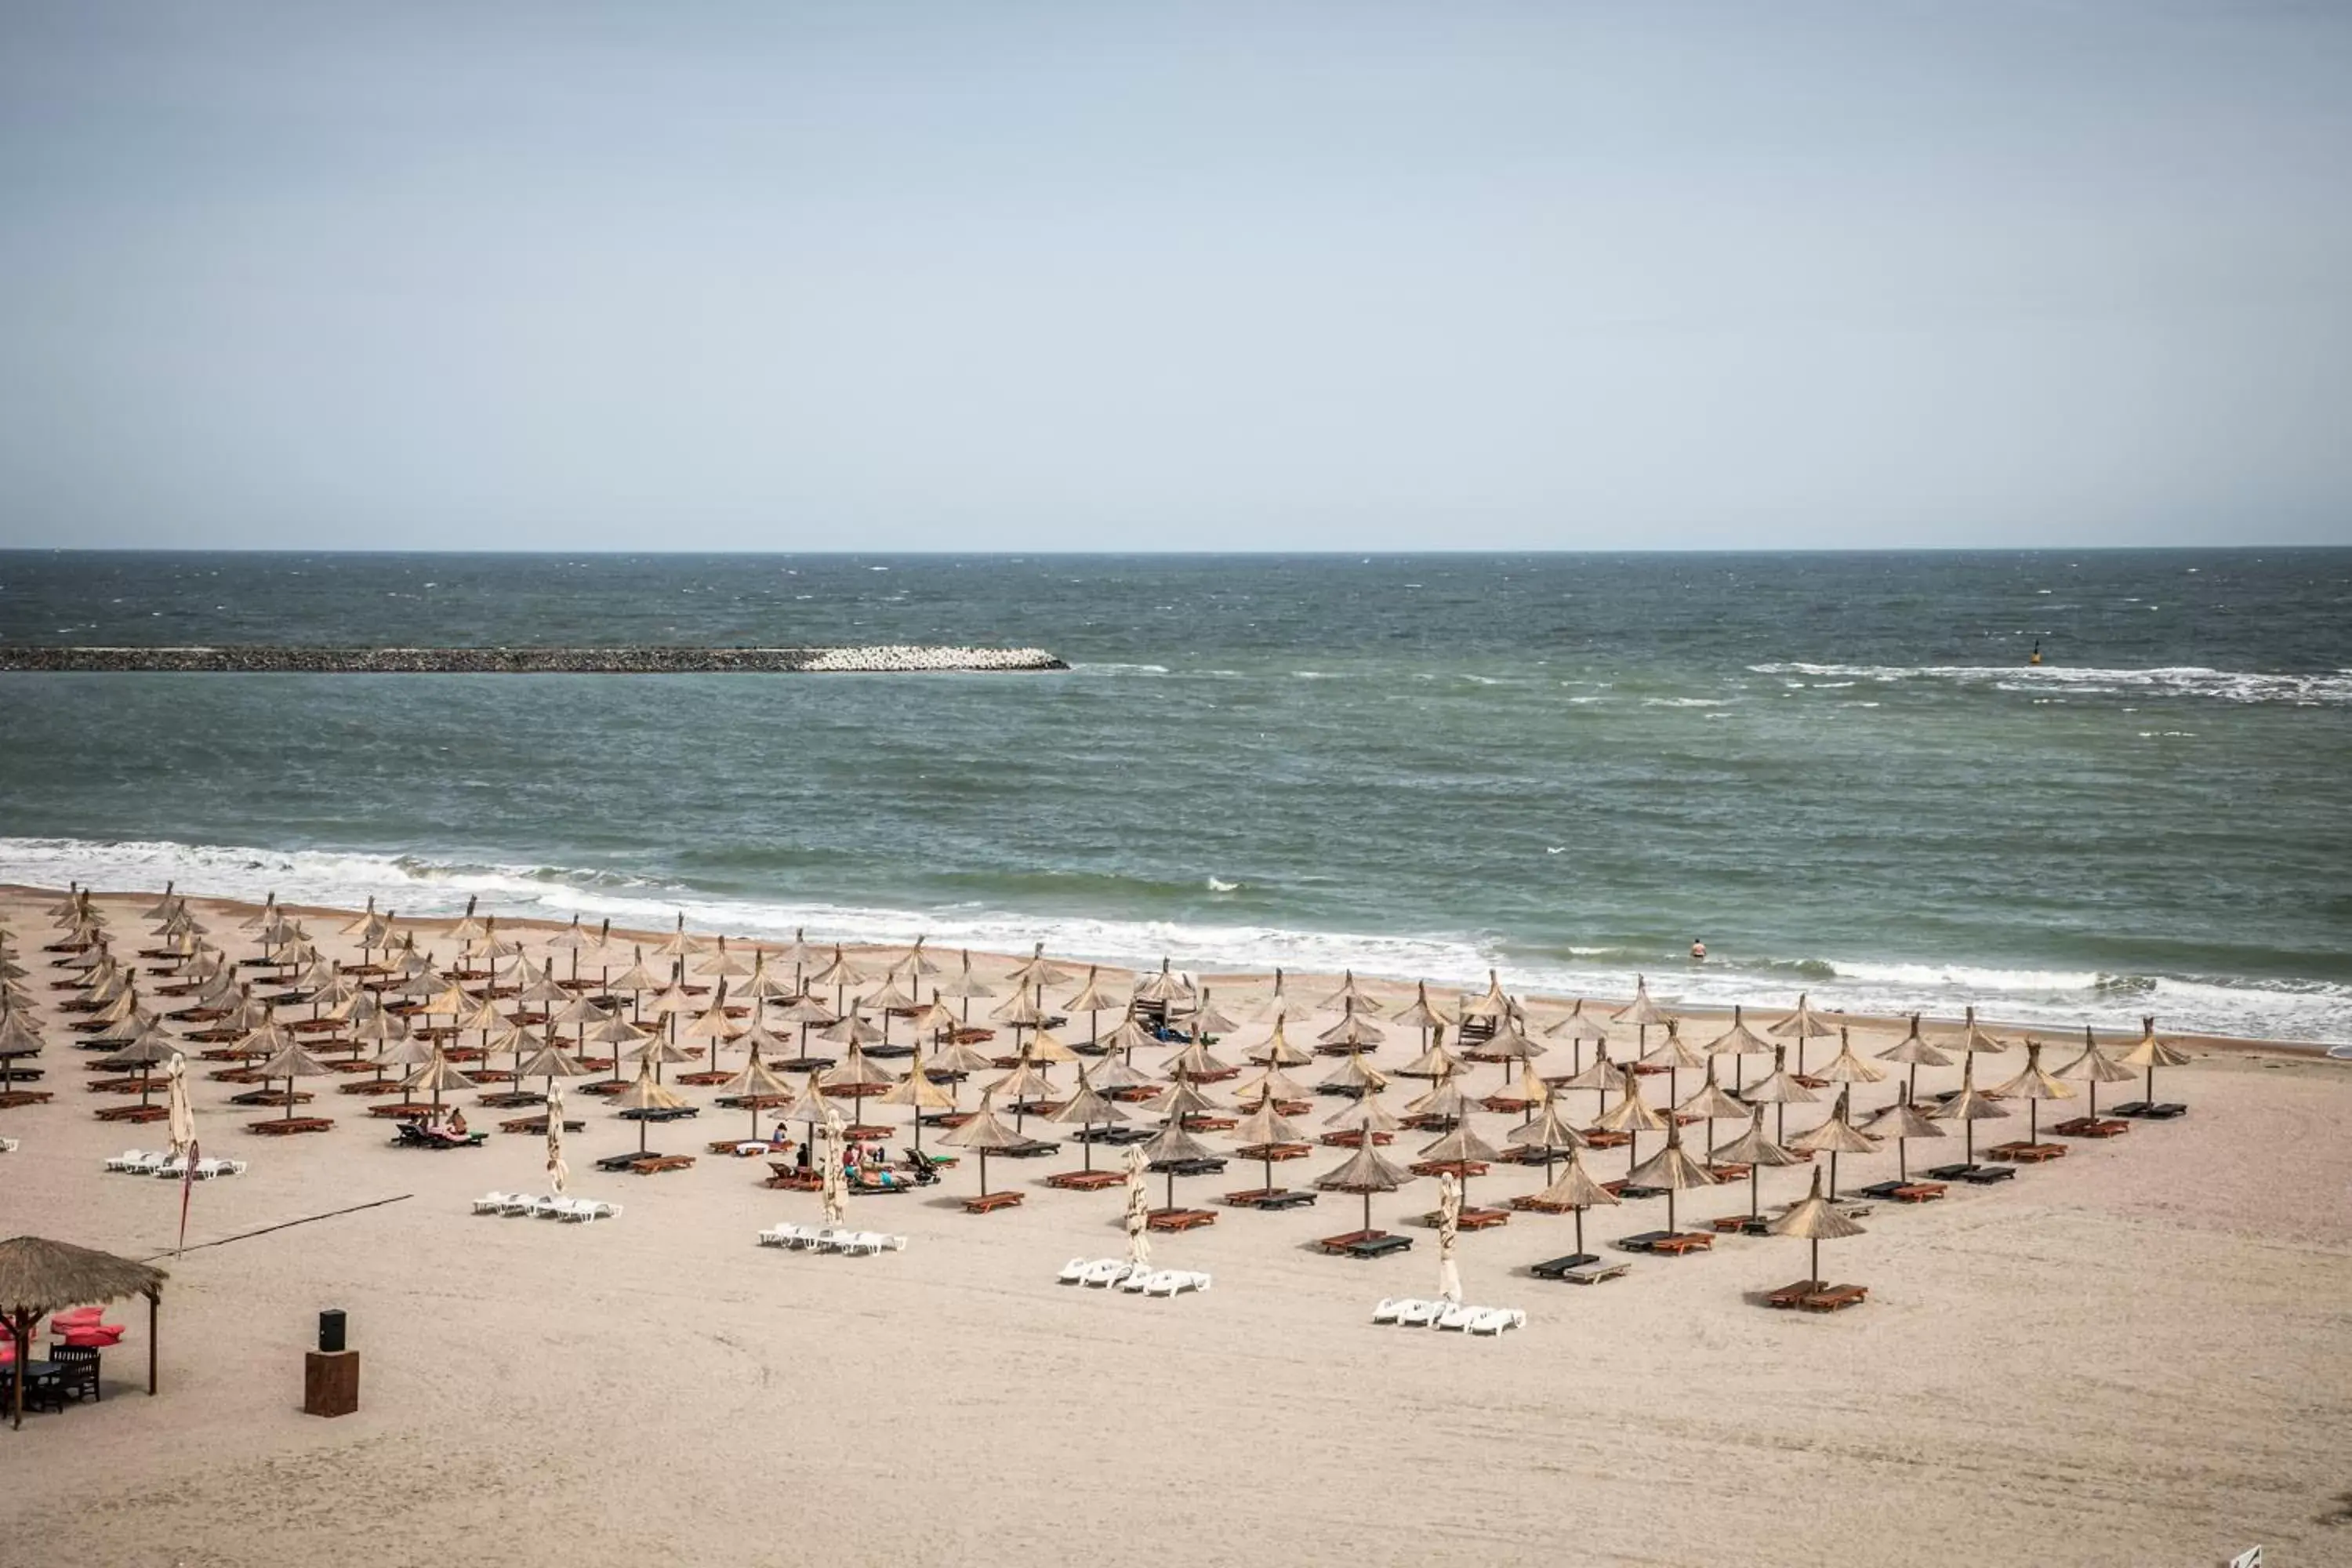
[(557, 1173), (1138, 1211), (1449, 1228)]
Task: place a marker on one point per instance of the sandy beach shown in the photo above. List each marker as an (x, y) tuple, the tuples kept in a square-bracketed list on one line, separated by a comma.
[(2130, 1355)]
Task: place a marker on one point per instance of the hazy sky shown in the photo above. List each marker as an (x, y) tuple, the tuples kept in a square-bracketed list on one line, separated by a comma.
[(1109, 275)]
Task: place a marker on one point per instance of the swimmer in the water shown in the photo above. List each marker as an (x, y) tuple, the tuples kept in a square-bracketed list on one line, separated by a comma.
[(1698, 950), (2035, 657)]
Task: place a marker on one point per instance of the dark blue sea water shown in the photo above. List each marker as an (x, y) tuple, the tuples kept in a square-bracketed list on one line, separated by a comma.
[(1838, 769)]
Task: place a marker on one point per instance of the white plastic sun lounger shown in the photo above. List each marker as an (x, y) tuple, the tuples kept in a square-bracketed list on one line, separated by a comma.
[(776, 1236), (146, 1164), (1135, 1279), (1073, 1271), (1386, 1312), (127, 1159), (1494, 1320), (518, 1205), (1175, 1281), (1420, 1314), (492, 1203), (1456, 1316), (7, 1145), (1105, 1272), (207, 1170)]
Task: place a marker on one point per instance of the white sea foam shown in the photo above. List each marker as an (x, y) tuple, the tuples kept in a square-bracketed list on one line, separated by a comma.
[(412, 884), (2333, 689)]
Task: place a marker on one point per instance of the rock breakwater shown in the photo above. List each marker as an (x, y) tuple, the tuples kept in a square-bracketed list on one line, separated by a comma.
[(626, 660)]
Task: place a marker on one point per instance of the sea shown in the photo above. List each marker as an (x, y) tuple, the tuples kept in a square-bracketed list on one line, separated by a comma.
[(1841, 772)]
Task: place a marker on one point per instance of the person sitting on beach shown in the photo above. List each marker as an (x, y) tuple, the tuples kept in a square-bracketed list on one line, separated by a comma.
[(456, 1124)]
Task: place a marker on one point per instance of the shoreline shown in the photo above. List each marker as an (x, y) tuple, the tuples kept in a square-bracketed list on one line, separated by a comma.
[(644, 659), (1310, 982)]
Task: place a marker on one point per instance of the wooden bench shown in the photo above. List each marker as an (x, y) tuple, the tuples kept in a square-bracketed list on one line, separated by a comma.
[(404, 1111), (1836, 1297), (1271, 1198), (1365, 1243), (1083, 1181), (10, 1099), (1681, 1242), (1787, 1296), (1607, 1138), (1741, 1225), (1531, 1203), (139, 1113), (283, 1126), (792, 1178), (989, 1203), (654, 1165), (2089, 1127), (2022, 1154), (1180, 1219)]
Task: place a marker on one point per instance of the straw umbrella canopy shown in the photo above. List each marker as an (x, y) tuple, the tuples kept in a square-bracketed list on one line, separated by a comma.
[(722, 962), (841, 974), (580, 1010), (756, 1081), (39, 1277), (1046, 1049), (645, 1094), (1092, 1000), (1277, 1003), (1196, 1062), (2033, 1086), (964, 1060), (550, 1063), (1711, 1101), (1780, 1090), (1641, 1012), (1367, 1115), (1441, 1101), (1576, 1191), (1848, 1068), (1490, 1004), (1671, 1169), (1547, 1130), (1268, 1084), (799, 955), (919, 1094), (1037, 971), (858, 1078), (1753, 1149), (402, 1051), (1674, 1056), (1968, 1105), (711, 1024), (1366, 1172), (1186, 1100), (962, 985), (1815, 1218), (1163, 987), (1902, 1123), (1088, 1110), (1350, 997), (2094, 1067), (1449, 1231), (765, 986), (1131, 1033), (1600, 1074), (1139, 1212), (2151, 1053), (936, 1019), (1355, 1031), (982, 1134), (1914, 1053), (1354, 1075), (1208, 1020), (1173, 1144), (1276, 1051), (1976, 1040), (1019, 1010), (1836, 1135), (437, 1075), (1421, 1014), (289, 1063), (572, 939), (152, 1049), (884, 997), (1261, 1130), (1801, 1026), (1462, 1147), (636, 980), (805, 1011), (1633, 1116)]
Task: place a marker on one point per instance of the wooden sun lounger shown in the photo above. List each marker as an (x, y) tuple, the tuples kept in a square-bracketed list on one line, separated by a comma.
[(281, 1126), (1180, 1219), (1739, 1225), (2087, 1127), (792, 1178), (1606, 1138), (11, 1100), (1276, 1151), (1083, 1181), (1554, 1268), (2163, 1111), (1684, 1241), (1272, 1198), (1626, 1188), (137, 1113), (1354, 1139), (1531, 1203), (2028, 1154), (654, 1165), (1365, 1243), (537, 1125), (1834, 1299), (989, 1203), (1475, 1219), (1596, 1272), (1457, 1168), (1787, 1296)]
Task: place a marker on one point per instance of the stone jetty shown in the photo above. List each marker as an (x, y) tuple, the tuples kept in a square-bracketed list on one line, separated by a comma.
[(627, 660)]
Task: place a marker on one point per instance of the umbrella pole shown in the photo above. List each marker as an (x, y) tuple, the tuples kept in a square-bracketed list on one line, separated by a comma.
[(2032, 1122), (1670, 1208), (1755, 1189), (1833, 1154), (1903, 1159), (1969, 1154), (983, 1172), (1816, 1272), (1088, 1142), (641, 1132), (1580, 1228), (1368, 1226)]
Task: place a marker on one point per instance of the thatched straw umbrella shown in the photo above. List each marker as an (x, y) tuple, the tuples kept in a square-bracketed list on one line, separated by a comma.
[(1548, 1130), (886, 996), (2033, 1086), (1674, 1056), (1462, 1148), (1578, 1029), (1837, 1135), (1968, 1105), (550, 1063), (1975, 1040), (860, 1078), (1268, 1086), (1847, 1068), (1173, 1144), (1350, 997), (1576, 1191), (152, 1048), (1711, 1102), (1366, 1171), (1601, 1075), (1164, 988), (1276, 1051), (2094, 1067), (755, 1082), (291, 1063), (2151, 1053), (1801, 1026), (1816, 1219), (1739, 1042), (645, 1094), (962, 985), (1755, 1151), (800, 956), (1641, 1012), (1355, 1031), (1261, 1130), (1085, 1109), (1423, 1014), (982, 1134), (1671, 1169), (841, 974), (571, 939), (437, 1075), (805, 1011), (1092, 1000), (1036, 972), (636, 980), (1633, 1116), (39, 1277), (1780, 1090), (723, 963), (1902, 1123), (919, 1094), (1195, 1063), (1914, 1053)]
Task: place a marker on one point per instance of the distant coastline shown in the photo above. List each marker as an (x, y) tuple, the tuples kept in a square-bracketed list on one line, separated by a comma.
[(262, 658)]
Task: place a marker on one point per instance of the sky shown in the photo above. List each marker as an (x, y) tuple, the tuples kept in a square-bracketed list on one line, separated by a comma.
[(1206, 277)]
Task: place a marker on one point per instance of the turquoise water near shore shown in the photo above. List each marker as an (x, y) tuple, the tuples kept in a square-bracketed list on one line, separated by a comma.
[(1838, 769)]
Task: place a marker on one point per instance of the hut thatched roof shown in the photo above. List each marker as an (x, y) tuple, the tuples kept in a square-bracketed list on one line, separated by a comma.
[(37, 1275)]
